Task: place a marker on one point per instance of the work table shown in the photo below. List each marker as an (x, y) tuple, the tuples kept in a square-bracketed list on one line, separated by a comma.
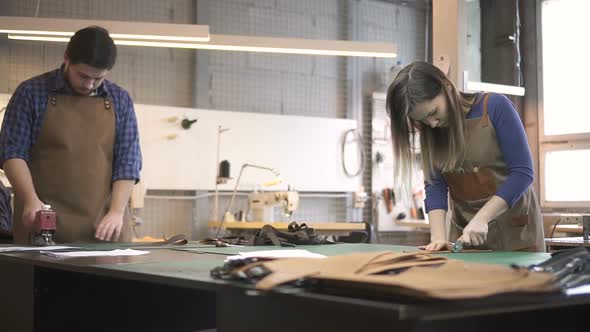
[(170, 289)]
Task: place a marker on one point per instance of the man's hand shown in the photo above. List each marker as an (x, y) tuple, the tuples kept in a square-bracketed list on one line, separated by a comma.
[(475, 233), (29, 210), (18, 174), (109, 228)]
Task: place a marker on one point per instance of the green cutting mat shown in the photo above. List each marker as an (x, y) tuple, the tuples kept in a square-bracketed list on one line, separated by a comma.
[(325, 249), (195, 270), (134, 245), (205, 259), (502, 258)]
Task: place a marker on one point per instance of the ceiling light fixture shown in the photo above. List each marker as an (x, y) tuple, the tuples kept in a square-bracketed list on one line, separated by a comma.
[(53, 29), (299, 46), (189, 37)]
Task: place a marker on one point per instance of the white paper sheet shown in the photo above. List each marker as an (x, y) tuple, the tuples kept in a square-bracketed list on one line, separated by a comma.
[(287, 253), (116, 252), (48, 248)]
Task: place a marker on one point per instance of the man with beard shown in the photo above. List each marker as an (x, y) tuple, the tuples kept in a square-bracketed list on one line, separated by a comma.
[(70, 140)]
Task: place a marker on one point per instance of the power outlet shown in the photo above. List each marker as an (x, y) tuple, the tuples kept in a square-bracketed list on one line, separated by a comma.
[(359, 198), (571, 219)]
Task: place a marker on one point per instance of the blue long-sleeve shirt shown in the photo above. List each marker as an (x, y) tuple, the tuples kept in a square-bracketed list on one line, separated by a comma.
[(26, 109), (515, 150)]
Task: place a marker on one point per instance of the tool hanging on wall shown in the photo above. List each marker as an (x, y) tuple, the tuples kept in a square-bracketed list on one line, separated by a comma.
[(187, 123), (358, 139), (392, 196), (416, 210), (389, 199)]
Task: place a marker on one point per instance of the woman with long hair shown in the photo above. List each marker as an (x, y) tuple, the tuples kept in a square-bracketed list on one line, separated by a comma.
[(473, 147)]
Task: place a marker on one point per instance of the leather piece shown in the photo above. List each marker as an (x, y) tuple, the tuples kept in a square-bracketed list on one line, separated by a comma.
[(520, 220), (416, 274)]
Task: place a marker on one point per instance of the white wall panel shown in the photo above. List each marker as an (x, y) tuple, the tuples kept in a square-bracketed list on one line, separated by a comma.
[(306, 151)]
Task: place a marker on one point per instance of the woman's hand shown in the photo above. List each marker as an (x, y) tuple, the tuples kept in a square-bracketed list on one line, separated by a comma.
[(476, 232), (436, 245)]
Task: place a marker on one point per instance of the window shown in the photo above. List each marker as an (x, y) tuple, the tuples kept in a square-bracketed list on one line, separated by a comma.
[(565, 112)]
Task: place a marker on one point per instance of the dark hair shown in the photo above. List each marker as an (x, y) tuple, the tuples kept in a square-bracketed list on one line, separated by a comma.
[(441, 148), (92, 46)]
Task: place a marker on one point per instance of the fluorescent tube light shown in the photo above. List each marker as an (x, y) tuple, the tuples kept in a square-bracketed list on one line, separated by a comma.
[(117, 29), (126, 42), (259, 44), (299, 46), (472, 86), (39, 38), (178, 36)]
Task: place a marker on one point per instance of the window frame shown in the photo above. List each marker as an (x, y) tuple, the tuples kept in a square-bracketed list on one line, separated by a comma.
[(559, 146), (547, 143)]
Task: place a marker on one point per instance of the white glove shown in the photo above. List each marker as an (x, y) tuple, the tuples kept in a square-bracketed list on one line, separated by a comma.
[(475, 233)]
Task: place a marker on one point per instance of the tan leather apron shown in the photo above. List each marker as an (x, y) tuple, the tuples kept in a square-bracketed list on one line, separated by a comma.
[(71, 167), (482, 173)]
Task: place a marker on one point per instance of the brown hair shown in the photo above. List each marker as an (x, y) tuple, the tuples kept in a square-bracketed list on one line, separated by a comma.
[(441, 148), (92, 46)]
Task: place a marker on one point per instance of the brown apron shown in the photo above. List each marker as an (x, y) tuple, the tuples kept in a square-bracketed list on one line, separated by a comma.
[(71, 167), (473, 185)]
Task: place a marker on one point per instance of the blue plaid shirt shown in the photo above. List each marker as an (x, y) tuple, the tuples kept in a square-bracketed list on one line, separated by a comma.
[(27, 107)]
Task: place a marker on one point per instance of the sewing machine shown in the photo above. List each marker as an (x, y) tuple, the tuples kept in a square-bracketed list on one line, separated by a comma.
[(43, 227), (262, 204)]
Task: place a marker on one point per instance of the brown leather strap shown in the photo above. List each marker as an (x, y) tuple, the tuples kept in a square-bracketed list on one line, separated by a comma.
[(448, 251), (179, 239)]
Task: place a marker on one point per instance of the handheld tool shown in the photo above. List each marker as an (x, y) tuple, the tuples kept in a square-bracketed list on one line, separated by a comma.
[(457, 246), (44, 227)]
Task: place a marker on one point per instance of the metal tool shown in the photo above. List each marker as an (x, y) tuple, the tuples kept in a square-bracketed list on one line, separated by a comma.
[(44, 227), (457, 246)]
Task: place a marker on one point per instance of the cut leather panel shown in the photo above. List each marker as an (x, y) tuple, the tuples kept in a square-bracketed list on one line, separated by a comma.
[(442, 278)]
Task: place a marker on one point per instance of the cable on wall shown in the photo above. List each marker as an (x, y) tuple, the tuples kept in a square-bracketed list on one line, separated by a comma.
[(519, 78), (37, 9), (358, 139)]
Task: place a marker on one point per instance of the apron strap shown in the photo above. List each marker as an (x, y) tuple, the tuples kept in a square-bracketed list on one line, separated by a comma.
[(107, 103), (485, 118)]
